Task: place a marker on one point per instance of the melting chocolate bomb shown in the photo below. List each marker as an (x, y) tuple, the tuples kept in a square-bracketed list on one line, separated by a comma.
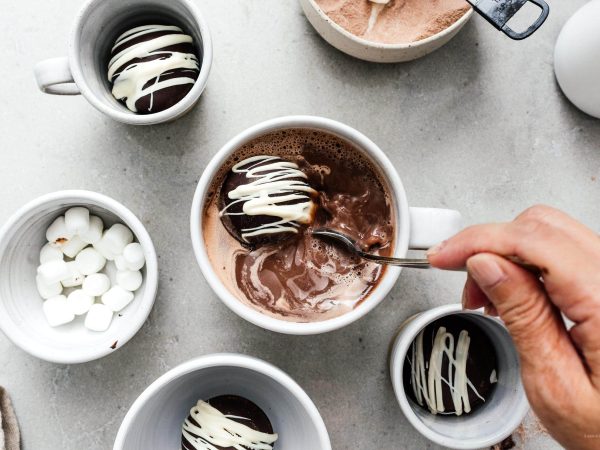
[(152, 67), (227, 422), (451, 367), (261, 208)]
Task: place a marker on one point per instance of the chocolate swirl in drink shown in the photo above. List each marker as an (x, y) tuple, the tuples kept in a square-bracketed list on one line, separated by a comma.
[(259, 213)]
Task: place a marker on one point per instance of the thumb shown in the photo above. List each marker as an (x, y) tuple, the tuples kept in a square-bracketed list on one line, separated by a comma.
[(534, 323)]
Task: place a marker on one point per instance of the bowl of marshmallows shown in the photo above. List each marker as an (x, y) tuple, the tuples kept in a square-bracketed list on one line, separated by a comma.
[(78, 276)]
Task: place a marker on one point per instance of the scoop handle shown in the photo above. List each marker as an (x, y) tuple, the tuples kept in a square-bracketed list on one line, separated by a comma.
[(499, 13)]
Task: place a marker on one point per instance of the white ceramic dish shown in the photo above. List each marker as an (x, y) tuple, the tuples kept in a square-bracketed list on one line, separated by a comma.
[(96, 27), (375, 51), (21, 315), (155, 419), (496, 419), (415, 227)]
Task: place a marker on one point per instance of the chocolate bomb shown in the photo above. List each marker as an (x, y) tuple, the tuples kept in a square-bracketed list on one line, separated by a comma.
[(236, 409), (473, 378), (153, 67), (266, 199)]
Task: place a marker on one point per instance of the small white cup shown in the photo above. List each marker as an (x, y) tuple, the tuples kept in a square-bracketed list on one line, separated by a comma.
[(501, 414), (417, 228), (372, 51), (96, 27), (21, 315), (155, 419)]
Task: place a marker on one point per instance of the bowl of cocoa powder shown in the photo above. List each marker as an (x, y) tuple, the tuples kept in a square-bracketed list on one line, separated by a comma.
[(387, 31)]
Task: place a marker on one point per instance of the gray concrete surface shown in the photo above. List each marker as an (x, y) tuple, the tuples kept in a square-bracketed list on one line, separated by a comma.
[(479, 125)]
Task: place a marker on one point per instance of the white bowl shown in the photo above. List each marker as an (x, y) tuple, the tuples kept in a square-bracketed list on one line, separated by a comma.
[(502, 413), (376, 51), (21, 315), (155, 419)]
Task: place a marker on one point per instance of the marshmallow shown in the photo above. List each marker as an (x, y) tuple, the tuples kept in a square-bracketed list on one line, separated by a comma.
[(79, 302), (121, 262), (94, 231), (47, 290), (77, 220), (90, 261), (74, 246), (134, 256), (117, 237), (54, 271), (117, 298), (111, 272), (57, 233), (57, 311), (75, 277), (129, 280), (98, 317), (96, 284), (49, 253), (102, 247)]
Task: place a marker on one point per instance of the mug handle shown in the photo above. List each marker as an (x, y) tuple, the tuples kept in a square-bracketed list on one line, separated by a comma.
[(54, 76), (430, 226)]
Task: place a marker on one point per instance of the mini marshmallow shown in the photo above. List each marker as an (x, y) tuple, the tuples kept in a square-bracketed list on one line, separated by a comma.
[(47, 290), (94, 231), (77, 220), (134, 256), (73, 247), (75, 277), (53, 271), (117, 298), (98, 318), (79, 302), (50, 253), (121, 263), (96, 284), (129, 280), (57, 233), (117, 237), (90, 261), (111, 272), (102, 247), (57, 311)]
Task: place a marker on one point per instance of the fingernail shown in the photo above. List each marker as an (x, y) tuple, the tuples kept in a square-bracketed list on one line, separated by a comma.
[(485, 271), (436, 249), (464, 299)]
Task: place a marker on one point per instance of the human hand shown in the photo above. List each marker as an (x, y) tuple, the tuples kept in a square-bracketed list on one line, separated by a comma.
[(560, 369)]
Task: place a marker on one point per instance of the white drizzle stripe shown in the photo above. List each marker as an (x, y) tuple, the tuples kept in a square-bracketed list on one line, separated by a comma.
[(128, 84), (272, 182), (217, 429), (427, 380), (141, 31)]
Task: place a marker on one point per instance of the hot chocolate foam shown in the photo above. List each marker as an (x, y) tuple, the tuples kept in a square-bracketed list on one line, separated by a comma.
[(304, 278)]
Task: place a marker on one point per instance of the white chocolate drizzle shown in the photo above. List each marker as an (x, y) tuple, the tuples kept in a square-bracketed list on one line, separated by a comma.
[(427, 379), (219, 430), (128, 84), (274, 189)]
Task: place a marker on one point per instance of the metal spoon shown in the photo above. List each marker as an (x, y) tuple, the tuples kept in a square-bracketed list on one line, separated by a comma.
[(413, 263)]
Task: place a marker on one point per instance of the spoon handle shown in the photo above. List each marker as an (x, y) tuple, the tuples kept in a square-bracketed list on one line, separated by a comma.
[(416, 263)]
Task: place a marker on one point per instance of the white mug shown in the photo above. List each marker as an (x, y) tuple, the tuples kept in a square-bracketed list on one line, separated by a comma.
[(96, 27), (155, 419), (501, 414), (416, 228)]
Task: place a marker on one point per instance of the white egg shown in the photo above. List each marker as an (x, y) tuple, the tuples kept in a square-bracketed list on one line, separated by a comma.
[(577, 58)]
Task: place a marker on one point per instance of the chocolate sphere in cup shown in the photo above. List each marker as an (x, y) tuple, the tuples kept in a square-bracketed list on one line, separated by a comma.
[(153, 67), (266, 199), (227, 422), (451, 367)]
